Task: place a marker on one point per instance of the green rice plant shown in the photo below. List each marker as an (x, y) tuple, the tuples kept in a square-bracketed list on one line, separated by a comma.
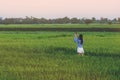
[(52, 56), (59, 26)]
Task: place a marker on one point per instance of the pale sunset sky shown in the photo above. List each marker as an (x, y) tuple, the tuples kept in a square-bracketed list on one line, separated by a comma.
[(60, 8)]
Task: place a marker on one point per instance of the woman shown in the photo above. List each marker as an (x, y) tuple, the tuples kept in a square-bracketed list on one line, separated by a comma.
[(79, 40)]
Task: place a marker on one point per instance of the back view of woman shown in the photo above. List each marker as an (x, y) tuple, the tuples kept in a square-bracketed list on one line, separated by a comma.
[(79, 40)]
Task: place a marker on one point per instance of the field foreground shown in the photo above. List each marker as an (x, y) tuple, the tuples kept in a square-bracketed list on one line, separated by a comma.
[(52, 56)]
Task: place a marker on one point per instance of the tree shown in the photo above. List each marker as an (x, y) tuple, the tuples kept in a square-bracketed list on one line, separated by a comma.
[(74, 21), (43, 21), (35, 21), (0, 20), (109, 22), (93, 19), (103, 20), (88, 21), (66, 20), (114, 20), (119, 20)]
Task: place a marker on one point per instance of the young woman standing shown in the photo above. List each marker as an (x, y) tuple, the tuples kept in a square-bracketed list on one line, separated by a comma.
[(79, 40)]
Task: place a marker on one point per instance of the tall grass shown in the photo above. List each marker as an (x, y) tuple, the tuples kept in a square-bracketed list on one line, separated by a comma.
[(52, 56)]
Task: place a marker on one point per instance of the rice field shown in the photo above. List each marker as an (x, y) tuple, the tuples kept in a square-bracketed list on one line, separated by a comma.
[(59, 26), (52, 56)]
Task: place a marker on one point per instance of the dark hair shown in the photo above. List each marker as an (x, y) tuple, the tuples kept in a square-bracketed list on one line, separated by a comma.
[(81, 38)]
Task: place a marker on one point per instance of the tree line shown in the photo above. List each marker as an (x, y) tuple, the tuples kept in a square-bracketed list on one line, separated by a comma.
[(64, 20)]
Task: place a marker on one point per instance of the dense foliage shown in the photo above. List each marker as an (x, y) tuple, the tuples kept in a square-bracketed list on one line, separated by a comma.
[(65, 20)]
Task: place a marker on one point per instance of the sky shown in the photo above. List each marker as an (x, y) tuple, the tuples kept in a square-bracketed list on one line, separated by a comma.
[(60, 8)]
